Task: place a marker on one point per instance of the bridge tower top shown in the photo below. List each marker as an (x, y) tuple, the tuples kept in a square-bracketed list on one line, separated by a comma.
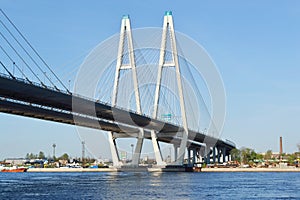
[(126, 50), (168, 13)]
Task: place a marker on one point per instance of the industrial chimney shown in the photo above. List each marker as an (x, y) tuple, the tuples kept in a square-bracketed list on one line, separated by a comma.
[(280, 146)]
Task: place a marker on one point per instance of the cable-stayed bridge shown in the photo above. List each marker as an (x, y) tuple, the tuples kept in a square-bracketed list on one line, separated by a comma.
[(36, 99)]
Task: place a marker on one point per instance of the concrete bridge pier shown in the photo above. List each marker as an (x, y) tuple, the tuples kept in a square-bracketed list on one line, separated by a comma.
[(137, 153), (192, 154), (175, 152), (214, 155), (199, 156), (224, 154), (207, 155), (189, 157), (114, 150), (219, 154)]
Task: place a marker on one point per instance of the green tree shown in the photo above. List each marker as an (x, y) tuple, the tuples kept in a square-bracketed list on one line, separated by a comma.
[(31, 156), (268, 155), (291, 158), (235, 155), (259, 156), (253, 155), (41, 155), (248, 155), (65, 156)]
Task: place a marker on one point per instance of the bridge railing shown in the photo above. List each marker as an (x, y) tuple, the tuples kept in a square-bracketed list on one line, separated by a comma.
[(75, 95), (95, 100), (229, 142), (31, 82), (81, 96), (5, 75)]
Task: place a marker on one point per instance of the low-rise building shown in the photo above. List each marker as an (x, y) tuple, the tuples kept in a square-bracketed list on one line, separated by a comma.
[(16, 161)]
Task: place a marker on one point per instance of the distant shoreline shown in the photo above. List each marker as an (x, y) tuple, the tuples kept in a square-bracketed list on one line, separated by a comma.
[(72, 170), (202, 170), (250, 170)]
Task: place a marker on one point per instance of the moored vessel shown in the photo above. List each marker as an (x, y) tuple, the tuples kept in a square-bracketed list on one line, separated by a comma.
[(14, 169)]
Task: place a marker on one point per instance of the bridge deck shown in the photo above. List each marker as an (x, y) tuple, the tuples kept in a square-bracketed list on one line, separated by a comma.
[(107, 116)]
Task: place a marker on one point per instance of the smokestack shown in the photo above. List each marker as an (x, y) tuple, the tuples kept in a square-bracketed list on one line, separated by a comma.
[(280, 146)]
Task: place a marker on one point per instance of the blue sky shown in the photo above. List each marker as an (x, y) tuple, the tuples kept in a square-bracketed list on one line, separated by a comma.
[(256, 46)]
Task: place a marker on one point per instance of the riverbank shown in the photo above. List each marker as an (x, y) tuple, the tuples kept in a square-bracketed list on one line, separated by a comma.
[(72, 170), (202, 170), (250, 170)]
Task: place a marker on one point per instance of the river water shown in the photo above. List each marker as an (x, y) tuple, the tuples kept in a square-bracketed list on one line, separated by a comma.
[(129, 185)]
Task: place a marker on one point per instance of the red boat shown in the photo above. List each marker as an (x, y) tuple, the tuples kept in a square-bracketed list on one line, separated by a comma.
[(14, 170)]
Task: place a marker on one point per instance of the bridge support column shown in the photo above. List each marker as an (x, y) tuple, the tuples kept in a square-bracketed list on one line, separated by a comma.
[(138, 149), (189, 157), (175, 152), (114, 150), (207, 159), (202, 154), (214, 155), (194, 156), (207, 155), (219, 154), (224, 154), (156, 149)]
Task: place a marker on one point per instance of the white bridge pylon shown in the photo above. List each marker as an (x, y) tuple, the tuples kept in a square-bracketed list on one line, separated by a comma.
[(168, 28), (125, 34)]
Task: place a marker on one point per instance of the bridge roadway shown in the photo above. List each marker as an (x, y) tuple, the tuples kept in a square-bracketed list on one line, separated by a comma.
[(28, 99)]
